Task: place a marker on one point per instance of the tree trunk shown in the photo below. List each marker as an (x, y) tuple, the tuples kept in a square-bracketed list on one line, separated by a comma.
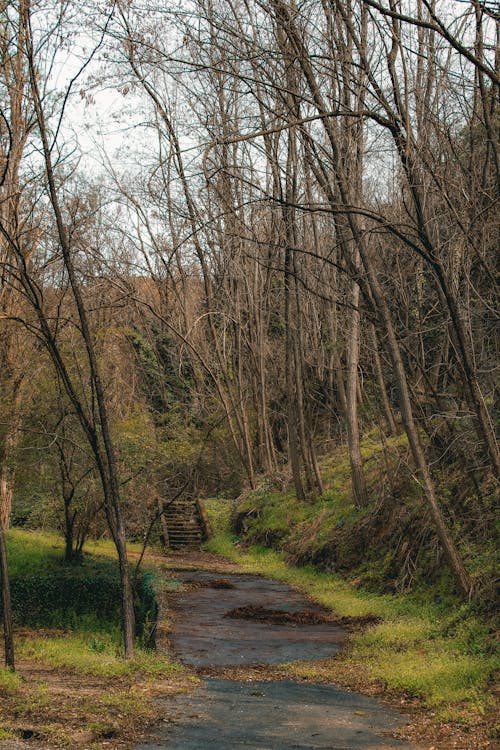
[(360, 494), (379, 375), (105, 457), (453, 556), (163, 524), (8, 630), (11, 442), (288, 25)]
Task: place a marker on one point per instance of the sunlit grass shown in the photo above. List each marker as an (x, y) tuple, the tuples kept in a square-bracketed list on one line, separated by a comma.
[(100, 656), (414, 655), (434, 672), (10, 682), (40, 550), (8, 734), (32, 550), (106, 548)]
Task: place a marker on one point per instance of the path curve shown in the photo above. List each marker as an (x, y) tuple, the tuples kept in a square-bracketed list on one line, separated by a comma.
[(202, 636), (256, 715)]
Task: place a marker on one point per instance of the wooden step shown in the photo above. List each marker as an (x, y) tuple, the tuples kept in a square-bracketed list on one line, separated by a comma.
[(183, 525)]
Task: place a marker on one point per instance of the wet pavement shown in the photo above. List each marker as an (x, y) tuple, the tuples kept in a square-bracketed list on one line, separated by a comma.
[(254, 715)]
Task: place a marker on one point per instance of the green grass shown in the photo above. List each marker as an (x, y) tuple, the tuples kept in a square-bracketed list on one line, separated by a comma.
[(430, 647), (7, 734), (106, 548), (33, 550), (43, 550), (92, 644), (10, 682), (118, 699), (47, 592), (430, 644), (413, 654), (98, 655), (331, 527)]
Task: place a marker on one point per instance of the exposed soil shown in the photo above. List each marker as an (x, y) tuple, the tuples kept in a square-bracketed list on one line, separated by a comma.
[(277, 616), (56, 708), (302, 617)]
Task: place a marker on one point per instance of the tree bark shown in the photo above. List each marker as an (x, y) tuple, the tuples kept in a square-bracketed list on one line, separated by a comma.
[(8, 630), (360, 494), (287, 23), (379, 375)]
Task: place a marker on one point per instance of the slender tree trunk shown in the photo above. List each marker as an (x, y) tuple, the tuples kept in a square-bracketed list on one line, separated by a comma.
[(485, 427), (7, 471), (107, 464), (449, 547), (300, 416), (8, 630), (314, 463), (288, 25), (379, 375), (293, 446), (163, 524), (11, 442), (360, 494), (69, 521)]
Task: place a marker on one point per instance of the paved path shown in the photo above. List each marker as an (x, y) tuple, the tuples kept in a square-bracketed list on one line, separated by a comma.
[(203, 637), (252, 715)]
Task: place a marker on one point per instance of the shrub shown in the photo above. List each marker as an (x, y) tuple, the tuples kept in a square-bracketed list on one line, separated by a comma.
[(50, 593)]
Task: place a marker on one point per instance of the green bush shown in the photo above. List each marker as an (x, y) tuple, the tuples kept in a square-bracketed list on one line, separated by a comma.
[(55, 599), (46, 592), (146, 608)]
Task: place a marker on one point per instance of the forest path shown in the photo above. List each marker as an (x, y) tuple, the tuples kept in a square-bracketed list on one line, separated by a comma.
[(242, 703)]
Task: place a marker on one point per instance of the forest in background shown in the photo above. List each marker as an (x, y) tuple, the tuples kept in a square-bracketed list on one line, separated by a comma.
[(291, 247)]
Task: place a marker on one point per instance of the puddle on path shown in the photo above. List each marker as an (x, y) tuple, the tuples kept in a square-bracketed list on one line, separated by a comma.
[(230, 715)]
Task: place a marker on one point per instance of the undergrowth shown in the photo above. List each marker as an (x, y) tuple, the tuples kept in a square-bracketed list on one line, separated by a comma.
[(9, 682), (389, 546), (48, 592), (73, 685)]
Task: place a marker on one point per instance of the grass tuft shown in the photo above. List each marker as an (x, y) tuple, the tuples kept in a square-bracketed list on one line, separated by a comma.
[(10, 682), (8, 734)]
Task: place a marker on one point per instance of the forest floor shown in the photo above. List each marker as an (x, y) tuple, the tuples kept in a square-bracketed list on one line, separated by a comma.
[(59, 706)]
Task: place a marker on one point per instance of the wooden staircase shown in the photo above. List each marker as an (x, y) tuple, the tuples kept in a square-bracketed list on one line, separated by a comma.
[(185, 525)]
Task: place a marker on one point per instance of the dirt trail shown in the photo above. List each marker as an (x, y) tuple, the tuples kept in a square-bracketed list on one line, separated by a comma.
[(229, 714)]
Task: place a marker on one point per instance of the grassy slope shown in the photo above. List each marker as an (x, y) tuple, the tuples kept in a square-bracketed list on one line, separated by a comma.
[(429, 643)]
